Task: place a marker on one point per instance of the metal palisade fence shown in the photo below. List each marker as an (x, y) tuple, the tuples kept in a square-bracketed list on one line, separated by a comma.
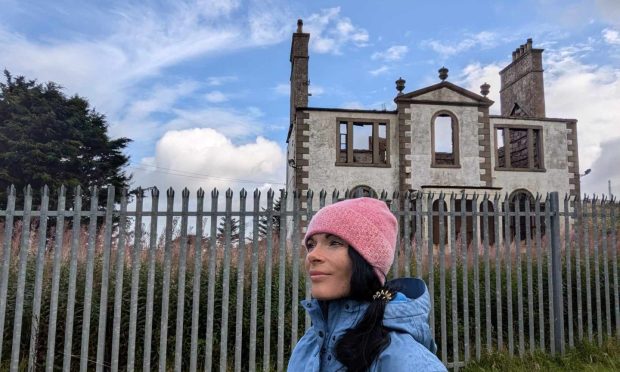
[(132, 286)]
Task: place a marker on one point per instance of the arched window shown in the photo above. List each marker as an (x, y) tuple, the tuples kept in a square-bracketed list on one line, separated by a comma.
[(518, 201), (363, 190), (445, 140)]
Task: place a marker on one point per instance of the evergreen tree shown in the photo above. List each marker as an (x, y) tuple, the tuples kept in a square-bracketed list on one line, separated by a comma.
[(49, 139), (234, 230), (263, 221)]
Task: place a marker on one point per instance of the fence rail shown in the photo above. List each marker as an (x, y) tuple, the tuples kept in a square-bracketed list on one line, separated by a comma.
[(118, 285)]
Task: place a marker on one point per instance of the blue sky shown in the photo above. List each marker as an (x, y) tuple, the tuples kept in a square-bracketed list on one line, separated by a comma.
[(202, 86)]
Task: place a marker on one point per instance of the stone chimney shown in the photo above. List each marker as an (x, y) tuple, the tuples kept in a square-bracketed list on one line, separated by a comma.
[(299, 69), (522, 90)]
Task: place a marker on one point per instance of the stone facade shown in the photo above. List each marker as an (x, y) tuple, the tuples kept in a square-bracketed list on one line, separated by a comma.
[(522, 92), (542, 152)]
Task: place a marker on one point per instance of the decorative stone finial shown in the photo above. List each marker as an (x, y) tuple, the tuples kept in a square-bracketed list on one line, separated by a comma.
[(300, 25), (484, 89), (443, 73), (400, 85)]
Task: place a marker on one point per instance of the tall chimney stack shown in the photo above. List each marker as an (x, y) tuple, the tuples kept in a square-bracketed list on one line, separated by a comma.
[(522, 90), (299, 69)]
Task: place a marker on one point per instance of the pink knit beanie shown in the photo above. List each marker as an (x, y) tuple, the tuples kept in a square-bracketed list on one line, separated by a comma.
[(366, 224)]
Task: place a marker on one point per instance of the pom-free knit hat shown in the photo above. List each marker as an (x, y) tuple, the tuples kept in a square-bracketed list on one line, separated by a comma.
[(366, 224)]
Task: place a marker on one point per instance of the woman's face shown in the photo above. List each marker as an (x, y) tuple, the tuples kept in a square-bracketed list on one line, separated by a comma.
[(328, 266)]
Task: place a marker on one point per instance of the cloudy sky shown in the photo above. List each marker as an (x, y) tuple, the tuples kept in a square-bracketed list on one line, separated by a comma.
[(201, 86)]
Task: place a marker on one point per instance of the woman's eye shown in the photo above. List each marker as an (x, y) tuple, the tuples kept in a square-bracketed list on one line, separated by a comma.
[(335, 242), (309, 246)]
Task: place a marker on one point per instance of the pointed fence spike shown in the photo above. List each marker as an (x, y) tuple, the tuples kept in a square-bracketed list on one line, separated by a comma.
[(185, 193), (322, 194), (200, 193)]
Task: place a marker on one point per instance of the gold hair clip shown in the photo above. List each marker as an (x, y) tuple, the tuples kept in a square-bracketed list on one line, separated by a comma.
[(383, 294)]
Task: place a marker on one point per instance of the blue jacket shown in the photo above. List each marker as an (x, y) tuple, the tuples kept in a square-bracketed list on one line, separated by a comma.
[(411, 346)]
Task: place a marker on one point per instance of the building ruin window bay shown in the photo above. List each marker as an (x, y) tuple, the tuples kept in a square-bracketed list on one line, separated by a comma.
[(518, 148), (362, 142)]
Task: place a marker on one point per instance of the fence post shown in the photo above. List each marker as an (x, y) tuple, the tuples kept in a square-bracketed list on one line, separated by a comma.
[(556, 264)]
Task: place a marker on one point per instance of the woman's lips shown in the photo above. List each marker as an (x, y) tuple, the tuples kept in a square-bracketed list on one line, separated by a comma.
[(314, 274)]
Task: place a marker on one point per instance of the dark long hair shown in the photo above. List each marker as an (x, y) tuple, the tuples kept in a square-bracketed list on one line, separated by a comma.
[(358, 348)]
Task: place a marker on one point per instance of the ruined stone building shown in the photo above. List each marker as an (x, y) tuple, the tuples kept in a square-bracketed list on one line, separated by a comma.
[(439, 138)]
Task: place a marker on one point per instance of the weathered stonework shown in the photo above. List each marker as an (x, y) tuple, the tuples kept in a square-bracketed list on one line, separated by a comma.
[(484, 143), (572, 158), (404, 142), (522, 84)]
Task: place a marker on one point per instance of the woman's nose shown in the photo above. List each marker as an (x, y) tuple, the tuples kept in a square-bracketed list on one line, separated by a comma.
[(315, 254)]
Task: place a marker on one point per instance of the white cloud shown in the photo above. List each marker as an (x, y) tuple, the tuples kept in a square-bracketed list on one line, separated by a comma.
[(379, 70), (205, 157), (474, 75), (216, 81), (611, 36), (237, 124), (316, 90), (283, 88), (393, 53), (609, 10), (136, 121), (604, 169), (331, 32), (352, 105), (483, 39), (216, 97), (585, 92)]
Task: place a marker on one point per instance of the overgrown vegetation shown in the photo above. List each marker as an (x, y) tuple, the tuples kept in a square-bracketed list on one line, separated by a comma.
[(584, 357), (268, 269)]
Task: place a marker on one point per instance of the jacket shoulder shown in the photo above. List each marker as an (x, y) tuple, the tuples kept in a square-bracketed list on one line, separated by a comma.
[(406, 354)]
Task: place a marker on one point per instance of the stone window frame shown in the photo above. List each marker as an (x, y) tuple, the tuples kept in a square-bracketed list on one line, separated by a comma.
[(455, 140), (375, 133), (541, 150)]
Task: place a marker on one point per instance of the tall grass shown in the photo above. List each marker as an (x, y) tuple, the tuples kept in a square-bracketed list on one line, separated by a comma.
[(443, 342)]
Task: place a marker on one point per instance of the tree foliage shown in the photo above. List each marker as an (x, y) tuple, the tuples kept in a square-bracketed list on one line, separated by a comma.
[(47, 138), (263, 223), (234, 230)]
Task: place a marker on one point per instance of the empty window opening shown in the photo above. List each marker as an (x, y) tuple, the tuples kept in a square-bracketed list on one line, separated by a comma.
[(342, 139), (518, 148), (382, 143), (501, 149), (445, 140), (362, 143)]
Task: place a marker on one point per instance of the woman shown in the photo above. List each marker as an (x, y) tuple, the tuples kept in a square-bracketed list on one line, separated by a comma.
[(360, 322)]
